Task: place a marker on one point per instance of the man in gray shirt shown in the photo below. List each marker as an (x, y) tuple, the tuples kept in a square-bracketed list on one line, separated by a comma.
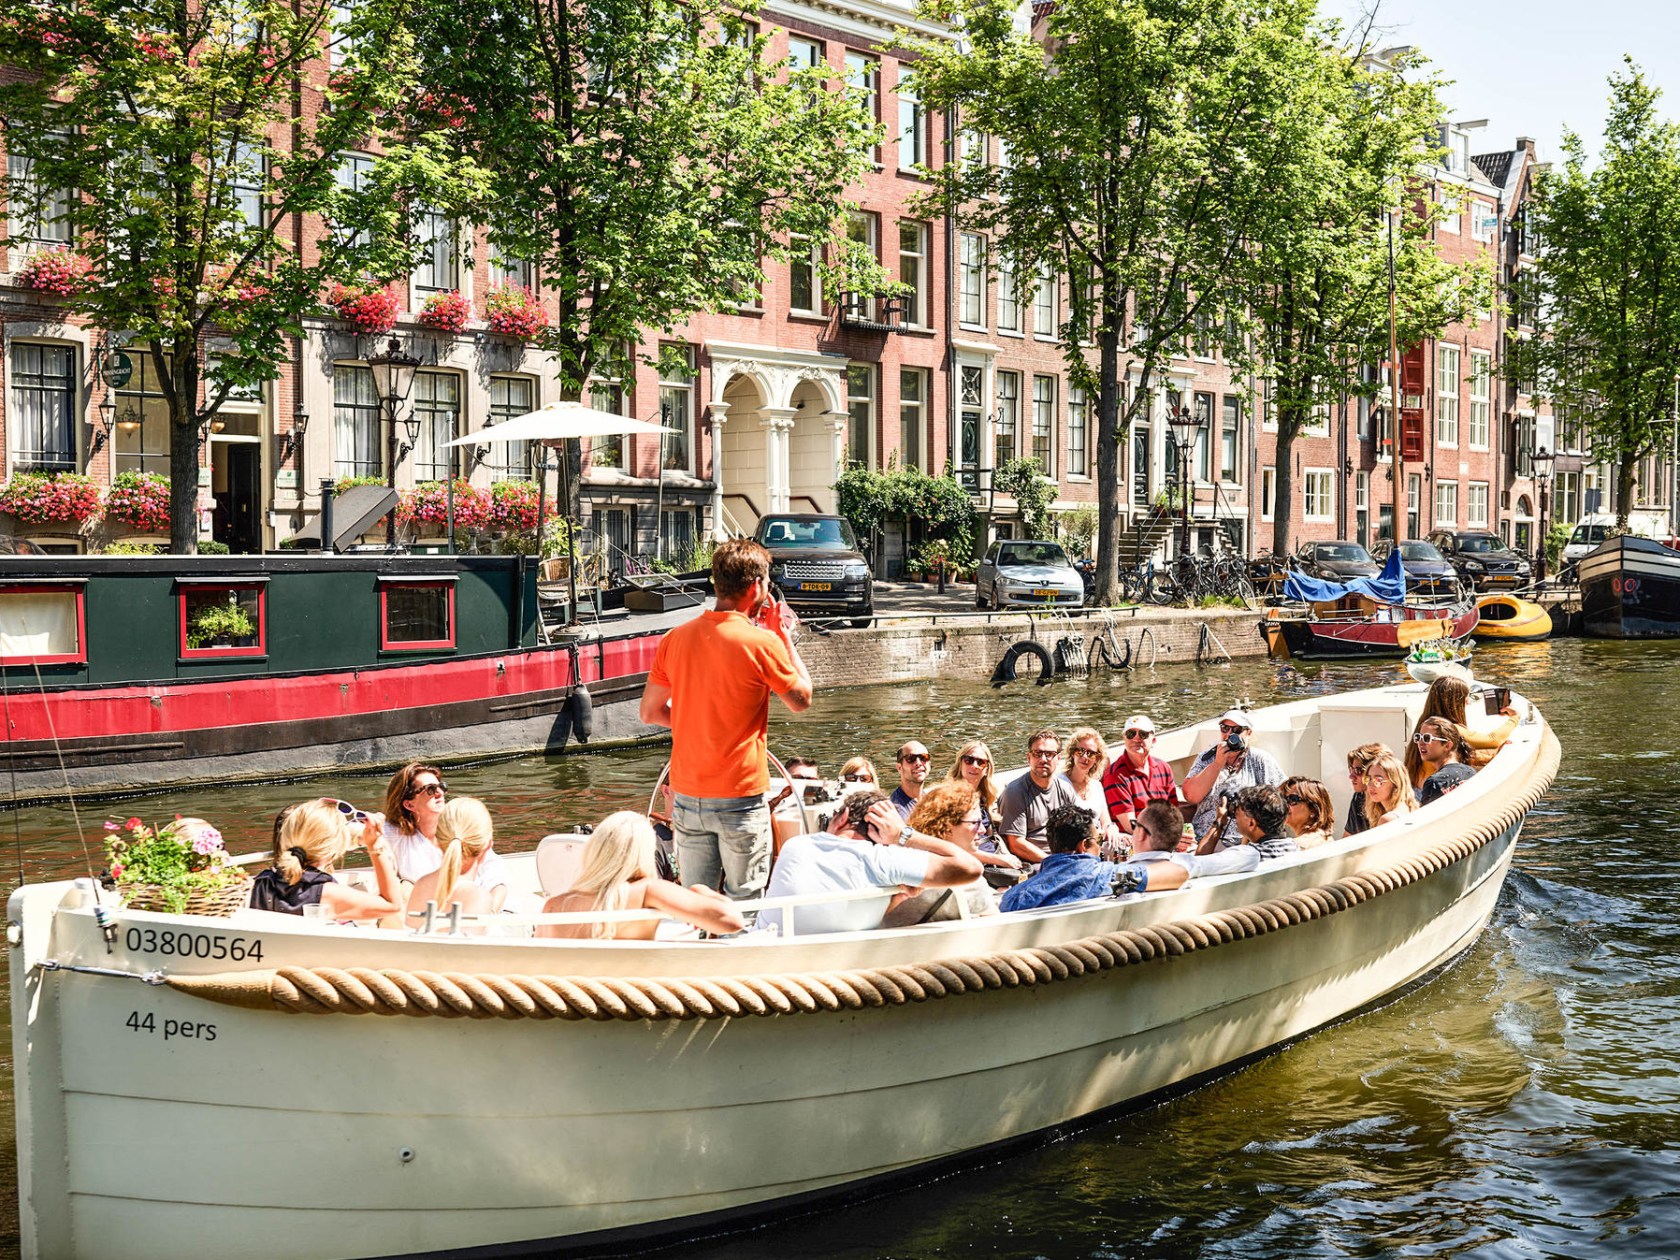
[(1024, 806), (1224, 769)]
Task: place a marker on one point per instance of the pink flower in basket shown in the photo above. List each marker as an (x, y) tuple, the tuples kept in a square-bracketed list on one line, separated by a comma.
[(370, 309), (446, 312), (43, 498), (513, 311), (60, 271), (139, 501), (513, 505)]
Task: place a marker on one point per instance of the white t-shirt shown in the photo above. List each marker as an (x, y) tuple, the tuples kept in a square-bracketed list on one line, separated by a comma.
[(416, 856), (828, 863)]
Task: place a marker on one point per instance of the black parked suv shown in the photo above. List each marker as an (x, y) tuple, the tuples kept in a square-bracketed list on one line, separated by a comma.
[(816, 566), (1482, 561)]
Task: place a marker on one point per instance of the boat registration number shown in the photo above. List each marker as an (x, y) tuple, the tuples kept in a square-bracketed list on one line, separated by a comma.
[(174, 944), (816, 586), (1044, 592)]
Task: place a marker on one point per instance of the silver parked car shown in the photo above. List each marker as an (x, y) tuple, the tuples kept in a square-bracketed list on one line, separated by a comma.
[(1027, 573)]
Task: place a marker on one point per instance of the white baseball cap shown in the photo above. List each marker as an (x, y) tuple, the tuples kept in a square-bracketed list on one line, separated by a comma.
[(1239, 717), (1139, 722)]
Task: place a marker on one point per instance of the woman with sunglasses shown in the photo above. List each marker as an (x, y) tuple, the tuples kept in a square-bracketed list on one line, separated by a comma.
[(1388, 789), (948, 811), (973, 767), (314, 836), (1087, 759), (1311, 818), (1448, 697), (1358, 762), (859, 770), (413, 804)]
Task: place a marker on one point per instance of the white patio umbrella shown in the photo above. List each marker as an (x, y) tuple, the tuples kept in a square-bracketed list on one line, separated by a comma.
[(558, 422)]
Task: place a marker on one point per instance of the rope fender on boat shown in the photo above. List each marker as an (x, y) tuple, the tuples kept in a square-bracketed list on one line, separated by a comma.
[(459, 995)]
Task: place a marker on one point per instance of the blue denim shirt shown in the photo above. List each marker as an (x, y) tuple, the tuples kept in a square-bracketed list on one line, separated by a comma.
[(1062, 877)]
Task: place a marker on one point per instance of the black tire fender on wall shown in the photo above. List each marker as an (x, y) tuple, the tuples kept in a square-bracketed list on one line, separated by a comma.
[(1005, 672)]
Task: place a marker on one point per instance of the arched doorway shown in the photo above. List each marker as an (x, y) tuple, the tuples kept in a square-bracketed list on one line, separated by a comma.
[(744, 479), (1522, 525)]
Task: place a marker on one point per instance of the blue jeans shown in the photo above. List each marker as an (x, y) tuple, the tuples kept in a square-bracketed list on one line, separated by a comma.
[(727, 835)]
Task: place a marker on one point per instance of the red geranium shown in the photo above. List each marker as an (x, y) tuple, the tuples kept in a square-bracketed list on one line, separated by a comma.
[(370, 309), (139, 501), (42, 498), (61, 271), (446, 312), (513, 505), (428, 504), (515, 312)]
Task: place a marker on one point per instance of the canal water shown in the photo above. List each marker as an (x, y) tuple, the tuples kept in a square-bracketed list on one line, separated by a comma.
[(1521, 1105)]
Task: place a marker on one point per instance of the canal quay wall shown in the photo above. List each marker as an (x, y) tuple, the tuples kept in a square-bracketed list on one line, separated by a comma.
[(970, 645)]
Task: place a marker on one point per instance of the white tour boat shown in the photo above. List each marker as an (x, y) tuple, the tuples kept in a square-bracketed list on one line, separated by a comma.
[(272, 1087)]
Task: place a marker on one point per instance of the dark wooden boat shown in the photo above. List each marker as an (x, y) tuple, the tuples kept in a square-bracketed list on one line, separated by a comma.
[(1630, 589), (128, 674), (1357, 627)]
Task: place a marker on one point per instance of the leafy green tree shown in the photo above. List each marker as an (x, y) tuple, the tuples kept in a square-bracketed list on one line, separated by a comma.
[(1033, 492), (1141, 138), (1608, 283), (1315, 281), (644, 158), (166, 139)]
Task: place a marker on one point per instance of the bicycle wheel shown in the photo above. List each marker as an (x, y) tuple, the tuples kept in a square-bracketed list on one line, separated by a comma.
[(1163, 590), (1246, 594)]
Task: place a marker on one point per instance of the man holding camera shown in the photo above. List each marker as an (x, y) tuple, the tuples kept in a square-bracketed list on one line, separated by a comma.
[(1224, 769)]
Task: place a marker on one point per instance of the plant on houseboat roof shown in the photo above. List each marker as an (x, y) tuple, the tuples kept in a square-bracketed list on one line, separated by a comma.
[(513, 311), (217, 623), (62, 271), (140, 501), (45, 498), (180, 867), (445, 312)]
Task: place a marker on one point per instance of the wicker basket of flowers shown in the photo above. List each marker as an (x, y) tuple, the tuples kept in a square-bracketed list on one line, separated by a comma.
[(178, 868)]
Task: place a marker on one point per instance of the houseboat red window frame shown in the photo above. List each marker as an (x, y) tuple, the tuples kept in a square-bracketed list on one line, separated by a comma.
[(79, 590), (386, 584), (186, 586)]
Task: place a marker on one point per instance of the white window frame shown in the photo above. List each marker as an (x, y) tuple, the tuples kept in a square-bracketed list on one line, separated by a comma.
[(1476, 505), (1268, 493), (1009, 319), (863, 227), (511, 272), (1481, 400), (1043, 435), (861, 406), (1046, 303), (350, 176), (805, 253), (247, 180), (1226, 402), (1078, 405), (913, 270), (509, 461), (1446, 503), (54, 394), (1446, 399), (25, 232), (913, 418), (1484, 220), (1318, 484), (971, 301), (438, 272), (1007, 417), (680, 393), (863, 75), (815, 53), (912, 125), (1452, 210)]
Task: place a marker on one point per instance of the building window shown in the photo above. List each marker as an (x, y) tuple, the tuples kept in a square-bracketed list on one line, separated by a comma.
[(860, 409), (912, 417), (972, 290), (971, 386), (35, 214), (1481, 397), (200, 640), (1446, 502), (1268, 413), (1361, 491), (142, 419), (43, 415), (607, 451), (340, 46), (1451, 210), (863, 78), (676, 407), (43, 625), (1044, 424), (1078, 415), (1446, 395), (1005, 440), (506, 271), (973, 147), (676, 533), (912, 270), (1201, 333), (1009, 294), (1230, 438), (912, 124), (806, 54), (439, 269), (1268, 493), (356, 423), (245, 181), (437, 405), (510, 396), (1483, 220), (353, 177), (1044, 303), (416, 616), (864, 231), (1476, 505), (1316, 494), (805, 277)]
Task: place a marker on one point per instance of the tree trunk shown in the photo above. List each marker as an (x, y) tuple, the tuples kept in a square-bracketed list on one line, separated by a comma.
[(1625, 478), (1283, 484), (1109, 437), (183, 478)]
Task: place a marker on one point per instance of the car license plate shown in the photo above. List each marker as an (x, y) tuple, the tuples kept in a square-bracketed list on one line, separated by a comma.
[(1044, 592), (816, 586), (1501, 579)]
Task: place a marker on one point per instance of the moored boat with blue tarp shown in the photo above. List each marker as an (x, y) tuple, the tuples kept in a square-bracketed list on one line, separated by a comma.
[(1363, 618)]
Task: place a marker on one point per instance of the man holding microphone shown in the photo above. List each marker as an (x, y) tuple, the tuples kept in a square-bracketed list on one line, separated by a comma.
[(711, 683)]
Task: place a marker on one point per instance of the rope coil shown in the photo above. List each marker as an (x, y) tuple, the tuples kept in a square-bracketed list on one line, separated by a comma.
[(459, 995)]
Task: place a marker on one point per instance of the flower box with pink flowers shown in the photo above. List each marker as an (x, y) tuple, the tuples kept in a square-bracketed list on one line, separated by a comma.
[(513, 311), (48, 499), (445, 312), (59, 271), (371, 308), (139, 502)]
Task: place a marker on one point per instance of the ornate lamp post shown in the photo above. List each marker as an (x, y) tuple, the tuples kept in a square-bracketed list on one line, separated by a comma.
[(1542, 460), (393, 376), (1185, 426)]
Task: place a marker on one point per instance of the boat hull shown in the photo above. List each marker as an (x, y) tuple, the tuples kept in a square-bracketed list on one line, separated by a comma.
[(1630, 589), (1508, 619), (422, 1136), (1363, 638)]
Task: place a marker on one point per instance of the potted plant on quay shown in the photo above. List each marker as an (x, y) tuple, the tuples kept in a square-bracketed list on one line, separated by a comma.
[(181, 868), (220, 625)]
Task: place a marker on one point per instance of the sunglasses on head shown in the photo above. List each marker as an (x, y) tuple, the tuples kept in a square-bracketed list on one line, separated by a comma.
[(969, 759), (429, 789), (914, 757), (345, 808)]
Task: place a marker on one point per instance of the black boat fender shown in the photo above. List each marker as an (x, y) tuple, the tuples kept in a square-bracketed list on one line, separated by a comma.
[(583, 713), (1005, 672)]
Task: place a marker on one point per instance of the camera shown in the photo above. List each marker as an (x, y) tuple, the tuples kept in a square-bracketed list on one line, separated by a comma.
[(1234, 742), (1128, 880)]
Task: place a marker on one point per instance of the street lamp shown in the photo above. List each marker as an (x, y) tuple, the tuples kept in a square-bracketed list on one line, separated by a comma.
[(393, 376), (1542, 460), (1186, 424)]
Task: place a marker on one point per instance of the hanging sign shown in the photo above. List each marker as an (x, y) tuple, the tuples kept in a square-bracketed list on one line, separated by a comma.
[(118, 369)]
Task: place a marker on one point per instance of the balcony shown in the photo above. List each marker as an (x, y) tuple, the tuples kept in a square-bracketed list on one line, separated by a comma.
[(872, 314)]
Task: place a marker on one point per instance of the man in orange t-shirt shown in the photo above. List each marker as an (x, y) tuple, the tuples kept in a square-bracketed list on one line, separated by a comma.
[(711, 683)]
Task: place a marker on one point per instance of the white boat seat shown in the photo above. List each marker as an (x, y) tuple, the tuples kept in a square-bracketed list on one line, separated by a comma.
[(559, 860)]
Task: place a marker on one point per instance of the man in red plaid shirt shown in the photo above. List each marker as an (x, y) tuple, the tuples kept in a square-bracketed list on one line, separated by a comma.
[(1137, 776)]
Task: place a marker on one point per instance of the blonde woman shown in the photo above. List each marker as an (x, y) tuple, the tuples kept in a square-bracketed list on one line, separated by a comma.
[(1087, 761), (619, 874), (313, 837), (973, 767), (464, 833), (1388, 789), (946, 811), (859, 770)]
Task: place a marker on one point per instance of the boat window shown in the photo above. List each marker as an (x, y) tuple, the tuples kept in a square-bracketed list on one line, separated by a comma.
[(42, 625), (416, 616), (220, 620)]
